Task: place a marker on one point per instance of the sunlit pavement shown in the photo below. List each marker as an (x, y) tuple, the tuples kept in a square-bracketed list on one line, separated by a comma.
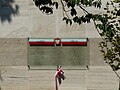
[(20, 78)]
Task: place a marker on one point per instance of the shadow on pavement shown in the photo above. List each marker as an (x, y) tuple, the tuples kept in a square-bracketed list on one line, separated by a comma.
[(8, 10), (1, 79)]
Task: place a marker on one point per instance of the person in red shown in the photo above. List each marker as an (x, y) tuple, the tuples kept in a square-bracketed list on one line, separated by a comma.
[(60, 74)]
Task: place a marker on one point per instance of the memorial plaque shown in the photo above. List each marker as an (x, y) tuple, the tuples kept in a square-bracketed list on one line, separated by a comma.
[(51, 56)]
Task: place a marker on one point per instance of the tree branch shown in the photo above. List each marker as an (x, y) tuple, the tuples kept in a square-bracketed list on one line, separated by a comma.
[(92, 19), (64, 9), (117, 74), (84, 9)]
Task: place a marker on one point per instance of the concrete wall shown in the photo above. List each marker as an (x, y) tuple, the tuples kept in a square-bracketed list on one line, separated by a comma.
[(96, 57), (13, 51), (22, 19)]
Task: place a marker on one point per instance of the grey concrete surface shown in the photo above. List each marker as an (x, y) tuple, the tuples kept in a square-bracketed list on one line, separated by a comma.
[(13, 51), (96, 78), (96, 57), (102, 78)]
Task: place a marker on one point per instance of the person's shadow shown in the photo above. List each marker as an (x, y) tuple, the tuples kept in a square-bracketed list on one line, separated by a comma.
[(8, 10), (1, 79)]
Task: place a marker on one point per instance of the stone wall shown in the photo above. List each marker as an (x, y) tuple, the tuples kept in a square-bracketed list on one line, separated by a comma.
[(13, 51)]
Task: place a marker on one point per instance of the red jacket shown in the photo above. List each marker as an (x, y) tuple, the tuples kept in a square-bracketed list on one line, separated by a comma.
[(60, 72)]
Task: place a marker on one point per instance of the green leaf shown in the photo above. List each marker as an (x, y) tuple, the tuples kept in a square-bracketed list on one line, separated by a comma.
[(68, 21), (75, 19), (56, 4), (100, 26), (79, 21), (105, 8), (46, 9), (88, 17), (102, 34), (97, 3), (83, 19), (116, 1), (108, 11), (73, 12), (85, 2), (118, 13), (73, 2), (68, 4), (77, 1), (65, 18), (107, 3), (66, 0), (90, 2)]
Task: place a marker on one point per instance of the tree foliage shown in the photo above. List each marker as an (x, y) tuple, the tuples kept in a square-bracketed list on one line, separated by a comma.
[(46, 6), (116, 1), (110, 32)]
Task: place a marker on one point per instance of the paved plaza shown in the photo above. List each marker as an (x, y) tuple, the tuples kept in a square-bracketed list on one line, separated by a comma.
[(20, 78)]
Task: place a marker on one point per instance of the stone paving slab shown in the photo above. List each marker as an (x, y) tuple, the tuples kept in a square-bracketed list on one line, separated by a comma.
[(20, 78), (102, 78)]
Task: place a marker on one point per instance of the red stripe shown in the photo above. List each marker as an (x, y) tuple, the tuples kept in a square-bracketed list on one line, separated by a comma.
[(41, 43), (74, 43), (63, 43)]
